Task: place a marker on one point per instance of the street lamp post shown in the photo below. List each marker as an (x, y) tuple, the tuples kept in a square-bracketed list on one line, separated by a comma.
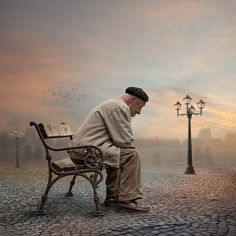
[(189, 112), (17, 135)]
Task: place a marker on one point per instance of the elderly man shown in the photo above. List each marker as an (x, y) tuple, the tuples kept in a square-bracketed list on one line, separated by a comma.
[(108, 126)]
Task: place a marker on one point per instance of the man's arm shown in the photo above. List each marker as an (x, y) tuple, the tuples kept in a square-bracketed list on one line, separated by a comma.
[(118, 123)]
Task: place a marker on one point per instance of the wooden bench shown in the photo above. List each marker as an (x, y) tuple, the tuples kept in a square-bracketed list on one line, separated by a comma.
[(89, 165)]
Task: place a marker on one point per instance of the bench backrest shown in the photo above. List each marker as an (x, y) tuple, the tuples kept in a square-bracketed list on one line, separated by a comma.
[(55, 130)]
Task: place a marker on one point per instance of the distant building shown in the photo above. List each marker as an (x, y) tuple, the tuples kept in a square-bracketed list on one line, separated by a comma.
[(205, 134)]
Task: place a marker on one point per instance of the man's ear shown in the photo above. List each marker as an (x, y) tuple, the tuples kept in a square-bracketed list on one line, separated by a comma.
[(132, 98)]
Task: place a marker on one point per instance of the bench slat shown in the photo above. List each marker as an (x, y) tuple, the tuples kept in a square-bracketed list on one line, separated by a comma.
[(56, 130)]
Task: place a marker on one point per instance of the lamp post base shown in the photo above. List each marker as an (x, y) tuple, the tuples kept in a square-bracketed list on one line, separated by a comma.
[(190, 171)]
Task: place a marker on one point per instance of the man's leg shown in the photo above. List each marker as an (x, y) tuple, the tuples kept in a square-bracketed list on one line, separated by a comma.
[(130, 175), (124, 184), (112, 183)]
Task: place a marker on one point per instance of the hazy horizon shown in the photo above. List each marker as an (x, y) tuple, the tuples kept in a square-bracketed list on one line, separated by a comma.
[(208, 152)]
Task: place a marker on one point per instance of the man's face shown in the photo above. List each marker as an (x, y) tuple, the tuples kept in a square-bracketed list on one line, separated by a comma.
[(136, 106)]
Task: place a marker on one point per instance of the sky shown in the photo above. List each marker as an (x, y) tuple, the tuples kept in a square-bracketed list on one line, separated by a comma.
[(60, 58)]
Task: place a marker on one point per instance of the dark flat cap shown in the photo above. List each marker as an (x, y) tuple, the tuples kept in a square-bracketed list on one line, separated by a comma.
[(138, 92)]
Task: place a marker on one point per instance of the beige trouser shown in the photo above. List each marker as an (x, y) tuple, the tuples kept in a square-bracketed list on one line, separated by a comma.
[(124, 184)]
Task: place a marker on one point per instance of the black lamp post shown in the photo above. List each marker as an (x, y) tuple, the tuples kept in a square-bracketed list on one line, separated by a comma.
[(189, 112), (17, 135)]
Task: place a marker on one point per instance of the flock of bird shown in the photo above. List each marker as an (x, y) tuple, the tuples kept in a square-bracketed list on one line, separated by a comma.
[(62, 97)]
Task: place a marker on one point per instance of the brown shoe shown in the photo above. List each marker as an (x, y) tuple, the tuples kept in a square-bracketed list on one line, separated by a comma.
[(134, 206), (110, 203)]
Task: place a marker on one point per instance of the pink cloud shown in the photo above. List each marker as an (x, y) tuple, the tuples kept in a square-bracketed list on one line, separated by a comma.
[(185, 10)]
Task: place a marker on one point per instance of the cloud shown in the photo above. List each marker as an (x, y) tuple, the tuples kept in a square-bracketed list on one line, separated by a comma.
[(170, 48)]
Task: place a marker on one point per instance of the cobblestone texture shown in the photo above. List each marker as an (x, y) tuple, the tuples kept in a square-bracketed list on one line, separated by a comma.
[(202, 204)]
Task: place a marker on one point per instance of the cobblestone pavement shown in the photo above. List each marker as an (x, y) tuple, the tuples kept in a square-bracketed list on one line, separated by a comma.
[(202, 204)]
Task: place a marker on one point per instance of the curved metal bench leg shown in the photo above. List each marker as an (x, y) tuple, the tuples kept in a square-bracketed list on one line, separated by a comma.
[(97, 204), (45, 195), (43, 200), (93, 181), (72, 182)]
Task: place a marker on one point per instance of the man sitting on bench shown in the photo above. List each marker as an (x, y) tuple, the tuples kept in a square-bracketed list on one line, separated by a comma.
[(108, 126)]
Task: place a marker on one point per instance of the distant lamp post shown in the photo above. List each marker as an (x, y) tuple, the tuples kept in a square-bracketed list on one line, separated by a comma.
[(190, 110), (17, 135)]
